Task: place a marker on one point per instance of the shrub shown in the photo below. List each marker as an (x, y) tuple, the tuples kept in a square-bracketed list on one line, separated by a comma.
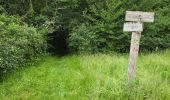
[(87, 38), (19, 43)]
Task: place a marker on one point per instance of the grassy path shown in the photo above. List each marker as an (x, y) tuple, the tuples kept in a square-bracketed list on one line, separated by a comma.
[(90, 78)]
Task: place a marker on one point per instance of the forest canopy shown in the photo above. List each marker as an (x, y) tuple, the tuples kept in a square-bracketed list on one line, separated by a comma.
[(93, 25)]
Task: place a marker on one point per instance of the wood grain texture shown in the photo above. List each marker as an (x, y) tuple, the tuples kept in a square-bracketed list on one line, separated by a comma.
[(134, 49), (133, 27), (139, 16)]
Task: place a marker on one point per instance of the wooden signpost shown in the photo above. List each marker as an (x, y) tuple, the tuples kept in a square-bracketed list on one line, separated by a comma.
[(136, 27)]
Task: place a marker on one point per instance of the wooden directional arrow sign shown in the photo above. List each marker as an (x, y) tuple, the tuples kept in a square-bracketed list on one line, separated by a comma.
[(139, 16), (133, 27)]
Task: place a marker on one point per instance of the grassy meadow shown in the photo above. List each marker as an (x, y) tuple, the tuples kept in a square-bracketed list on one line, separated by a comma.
[(90, 77)]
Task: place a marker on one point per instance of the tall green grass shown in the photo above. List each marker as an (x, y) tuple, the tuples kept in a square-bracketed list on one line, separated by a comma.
[(90, 77)]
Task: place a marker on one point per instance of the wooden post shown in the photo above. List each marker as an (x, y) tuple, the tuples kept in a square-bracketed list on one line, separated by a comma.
[(134, 48)]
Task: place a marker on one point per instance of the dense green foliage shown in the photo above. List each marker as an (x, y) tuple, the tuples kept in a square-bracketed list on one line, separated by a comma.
[(102, 29), (94, 25), (48, 14), (18, 43), (94, 77), (40, 14)]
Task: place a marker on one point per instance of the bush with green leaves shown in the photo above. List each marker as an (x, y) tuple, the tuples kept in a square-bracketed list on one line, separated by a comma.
[(102, 29), (19, 43)]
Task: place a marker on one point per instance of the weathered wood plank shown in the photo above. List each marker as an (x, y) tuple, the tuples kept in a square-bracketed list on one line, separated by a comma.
[(134, 48), (139, 16), (133, 27)]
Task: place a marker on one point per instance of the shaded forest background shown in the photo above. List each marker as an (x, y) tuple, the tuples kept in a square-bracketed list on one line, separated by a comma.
[(30, 28), (92, 25)]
